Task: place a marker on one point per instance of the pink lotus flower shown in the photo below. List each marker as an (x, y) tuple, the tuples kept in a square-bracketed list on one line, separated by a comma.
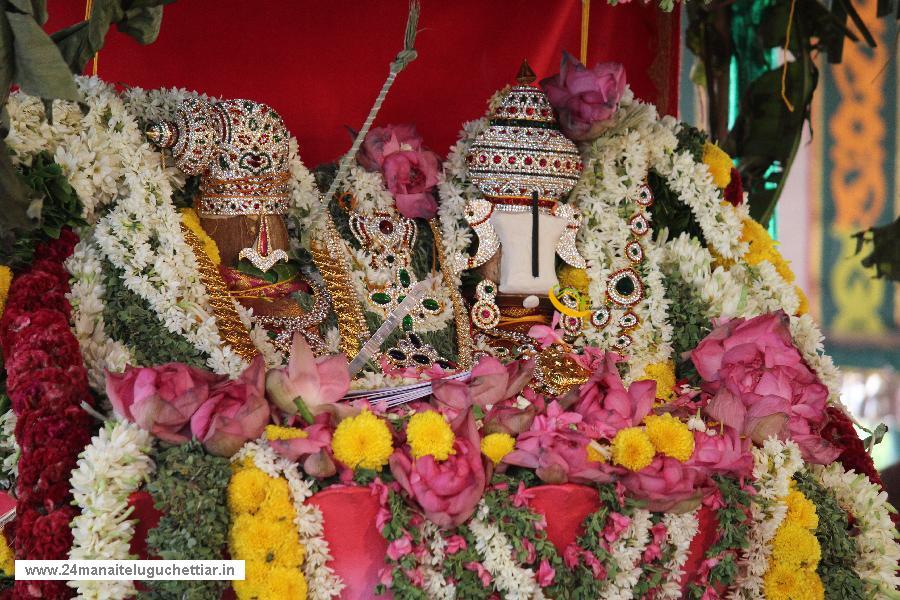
[(548, 336), (666, 485), (160, 399), (616, 524), (757, 382), (585, 98), (447, 491), (604, 402), (235, 413), (410, 171), (723, 453), (556, 449), (309, 384), (490, 383), (314, 450)]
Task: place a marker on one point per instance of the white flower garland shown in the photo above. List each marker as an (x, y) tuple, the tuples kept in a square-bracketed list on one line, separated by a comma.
[(513, 581), (86, 295), (627, 552), (322, 582), (775, 463), (115, 464), (436, 585), (9, 448), (680, 532), (878, 550)]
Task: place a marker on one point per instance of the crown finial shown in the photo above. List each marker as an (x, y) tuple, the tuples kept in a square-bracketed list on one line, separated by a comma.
[(525, 76)]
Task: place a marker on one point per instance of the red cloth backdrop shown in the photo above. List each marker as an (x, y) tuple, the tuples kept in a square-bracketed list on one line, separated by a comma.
[(321, 63)]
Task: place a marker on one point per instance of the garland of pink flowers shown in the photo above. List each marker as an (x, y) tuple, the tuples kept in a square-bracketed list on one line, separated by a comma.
[(47, 385)]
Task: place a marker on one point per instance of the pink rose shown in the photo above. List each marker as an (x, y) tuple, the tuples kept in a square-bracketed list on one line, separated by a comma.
[(604, 402), (548, 336), (411, 177), (666, 485), (556, 449), (160, 399), (456, 543), (400, 547), (314, 449), (382, 141), (545, 574), (585, 98), (235, 413), (309, 384), (410, 170), (616, 524), (756, 381), (447, 491)]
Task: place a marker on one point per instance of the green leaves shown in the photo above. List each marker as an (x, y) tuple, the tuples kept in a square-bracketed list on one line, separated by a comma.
[(140, 19), (39, 67)]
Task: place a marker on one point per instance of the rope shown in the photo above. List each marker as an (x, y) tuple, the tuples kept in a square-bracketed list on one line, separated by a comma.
[(585, 28), (787, 41), (404, 57)]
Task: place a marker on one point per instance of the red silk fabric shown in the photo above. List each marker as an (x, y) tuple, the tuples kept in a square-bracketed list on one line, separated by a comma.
[(321, 64)]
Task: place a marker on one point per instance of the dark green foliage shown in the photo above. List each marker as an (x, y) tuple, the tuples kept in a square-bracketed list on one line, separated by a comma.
[(689, 323), (129, 319), (669, 212), (692, 139), (190, 488), (59, 207), (839, 549)]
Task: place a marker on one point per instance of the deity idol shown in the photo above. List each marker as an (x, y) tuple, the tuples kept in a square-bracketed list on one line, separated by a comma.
[(240, 149), (518, 171)]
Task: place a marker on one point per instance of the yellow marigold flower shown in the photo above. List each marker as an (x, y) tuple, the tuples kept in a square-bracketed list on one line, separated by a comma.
[(795, 547), (572, 277), (429, 434), (5, 282), (801, 511), (363, 441), (785, 583), (718, 163), (278, 504), (284, 583), (254, 538), (670, 436), (663, 373), (497, 445), (7, 557), (247, 490), (593, 454), (256, 575), (803, 308), (763, 247), (191, 220), (276, 432), (632, 448)]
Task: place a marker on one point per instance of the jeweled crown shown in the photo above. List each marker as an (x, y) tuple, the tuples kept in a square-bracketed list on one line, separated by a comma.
[(523, 150), (239, 148)]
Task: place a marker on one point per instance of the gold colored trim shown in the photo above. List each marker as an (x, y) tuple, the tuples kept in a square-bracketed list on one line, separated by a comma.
[(460, 314), (231, 328)]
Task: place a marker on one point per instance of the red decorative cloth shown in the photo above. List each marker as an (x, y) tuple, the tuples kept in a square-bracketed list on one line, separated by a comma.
[(321, 64)]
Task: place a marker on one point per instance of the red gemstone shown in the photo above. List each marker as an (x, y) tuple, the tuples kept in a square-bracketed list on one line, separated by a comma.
[(543, 162), (482, 158), (529, 111), (485, 314), (556, 163), (386, 227), (528, 160), (568, 164), (512, 160), (544, 112), (496, 159)]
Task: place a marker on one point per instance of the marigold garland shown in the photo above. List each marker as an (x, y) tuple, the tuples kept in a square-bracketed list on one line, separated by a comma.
[(670, 436), (719, 164), (191, 220), (795, 554), (7, 557), (5, 281), (264, 535), (497, 445), (663, 373)]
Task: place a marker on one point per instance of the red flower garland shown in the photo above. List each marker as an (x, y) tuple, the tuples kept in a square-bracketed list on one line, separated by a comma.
[(839, 431), (46, 383)]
